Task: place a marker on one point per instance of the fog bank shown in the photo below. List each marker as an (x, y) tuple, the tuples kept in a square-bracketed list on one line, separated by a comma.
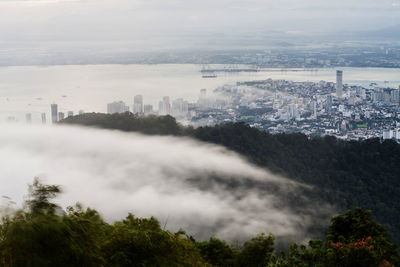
[(202, 188)]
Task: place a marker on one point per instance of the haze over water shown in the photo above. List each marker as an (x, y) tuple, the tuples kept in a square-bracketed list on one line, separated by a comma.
[(90, 87)]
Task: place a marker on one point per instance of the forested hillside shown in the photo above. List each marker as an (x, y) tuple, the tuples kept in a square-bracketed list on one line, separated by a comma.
[(346, 174)]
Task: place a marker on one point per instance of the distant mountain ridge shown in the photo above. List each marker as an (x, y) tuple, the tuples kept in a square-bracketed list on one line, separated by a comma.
[(388, 33)]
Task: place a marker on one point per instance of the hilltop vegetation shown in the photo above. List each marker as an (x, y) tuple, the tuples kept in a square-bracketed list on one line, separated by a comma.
[(346, 174), (42, 235), (127, 122)]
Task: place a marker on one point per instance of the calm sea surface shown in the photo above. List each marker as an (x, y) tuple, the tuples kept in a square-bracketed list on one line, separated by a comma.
[(90, 87)]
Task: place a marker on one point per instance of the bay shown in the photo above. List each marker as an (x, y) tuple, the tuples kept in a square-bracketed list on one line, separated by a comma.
[(31, 89)]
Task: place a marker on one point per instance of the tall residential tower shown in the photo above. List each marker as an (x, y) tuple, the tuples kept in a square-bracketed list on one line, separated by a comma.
[(54, 113), (138, 104), (339, 83)]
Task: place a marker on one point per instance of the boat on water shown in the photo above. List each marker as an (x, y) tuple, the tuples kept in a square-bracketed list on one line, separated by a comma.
[(209, 76)]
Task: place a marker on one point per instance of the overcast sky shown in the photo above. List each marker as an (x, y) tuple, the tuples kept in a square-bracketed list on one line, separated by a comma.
[(79, 20)]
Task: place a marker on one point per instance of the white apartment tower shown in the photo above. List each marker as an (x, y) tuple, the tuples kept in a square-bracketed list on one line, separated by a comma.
[(117, 107), (165, 106), (138, 104), (54, 113), (43, 115)]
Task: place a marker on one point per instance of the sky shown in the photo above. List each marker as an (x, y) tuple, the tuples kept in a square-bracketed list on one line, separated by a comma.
[(152, 21)]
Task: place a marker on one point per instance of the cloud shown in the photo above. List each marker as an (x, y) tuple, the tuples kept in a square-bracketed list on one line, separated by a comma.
[(131, 20), (202, 188)]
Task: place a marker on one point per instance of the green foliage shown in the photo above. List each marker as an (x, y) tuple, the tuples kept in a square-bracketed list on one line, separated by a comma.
[(142, 242), (39, 237), (353, 239), (40, 195), (128, 122), (80, 237), (217, 252), (257, 252)]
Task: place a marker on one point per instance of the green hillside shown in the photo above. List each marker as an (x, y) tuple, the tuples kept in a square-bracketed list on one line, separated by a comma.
[(345, 174)]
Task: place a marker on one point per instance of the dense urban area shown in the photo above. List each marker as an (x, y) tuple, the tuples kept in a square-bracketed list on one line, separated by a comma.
[(280, 55), (279, 106)]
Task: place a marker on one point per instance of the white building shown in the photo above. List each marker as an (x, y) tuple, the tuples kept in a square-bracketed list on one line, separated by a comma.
[(202, 102), (43, 115), (164, 106), (54, 113), (117, 107), (180, 107), (28, 118), (138, 104)]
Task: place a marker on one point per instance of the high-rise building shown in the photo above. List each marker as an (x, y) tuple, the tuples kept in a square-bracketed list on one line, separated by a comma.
[(328, 103), (60, 116), (161, 108), (385, 95), (164, 106), (44, 118), (54, 113), (138, 104), (70, 113), (395, 96), (339, 83), (28, 118), (292, 111), (117, 107), (314, 108), (148, 109), (180, 107), (202, 102), (81, 112)]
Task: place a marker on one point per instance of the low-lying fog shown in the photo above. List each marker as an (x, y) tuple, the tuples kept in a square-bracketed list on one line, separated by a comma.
[(202, 188)]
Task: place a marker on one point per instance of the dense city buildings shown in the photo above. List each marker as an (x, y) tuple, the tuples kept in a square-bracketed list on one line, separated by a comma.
[(117, 107), (278, 106), (282, 106)]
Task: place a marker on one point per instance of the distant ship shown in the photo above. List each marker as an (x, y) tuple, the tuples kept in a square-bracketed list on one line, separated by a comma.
[(209, 76)]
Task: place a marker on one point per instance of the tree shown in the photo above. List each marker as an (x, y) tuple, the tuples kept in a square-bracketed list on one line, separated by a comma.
[(39, 197), (354, 239), (142, 242), (217, 252), (256, 252)]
